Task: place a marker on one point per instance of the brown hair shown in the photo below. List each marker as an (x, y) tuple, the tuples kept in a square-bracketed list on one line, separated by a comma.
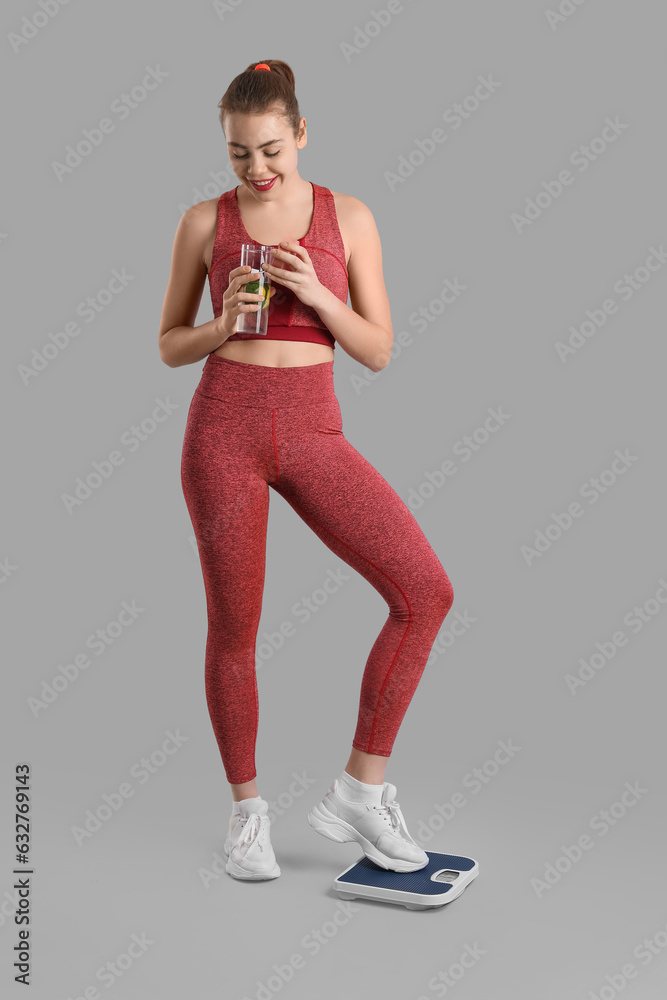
[(258, 91)]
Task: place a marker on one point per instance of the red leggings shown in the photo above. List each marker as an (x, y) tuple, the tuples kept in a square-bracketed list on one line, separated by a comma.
[(253, 426)]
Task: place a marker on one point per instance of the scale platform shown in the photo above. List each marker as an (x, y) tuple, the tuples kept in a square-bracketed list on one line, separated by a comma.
[(439, 882)]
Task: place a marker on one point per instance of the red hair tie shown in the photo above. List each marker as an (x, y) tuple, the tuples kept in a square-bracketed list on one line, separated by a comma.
[(262, 66)]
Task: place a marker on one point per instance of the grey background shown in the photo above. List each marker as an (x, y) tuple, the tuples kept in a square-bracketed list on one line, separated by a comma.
[(67, 574)]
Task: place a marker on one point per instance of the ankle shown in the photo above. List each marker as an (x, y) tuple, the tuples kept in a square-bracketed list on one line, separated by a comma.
[(245, 790), (353, 790), (367, 767), (369, 776)]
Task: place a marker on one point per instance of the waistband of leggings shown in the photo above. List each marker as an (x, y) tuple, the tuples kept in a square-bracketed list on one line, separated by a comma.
[(264, 385)]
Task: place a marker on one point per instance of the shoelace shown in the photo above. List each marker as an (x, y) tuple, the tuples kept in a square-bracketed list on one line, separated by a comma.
[(251, 830), (391, 811)]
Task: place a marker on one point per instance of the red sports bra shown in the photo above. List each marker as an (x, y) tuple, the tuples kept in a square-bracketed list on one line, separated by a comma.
[(289, 318)]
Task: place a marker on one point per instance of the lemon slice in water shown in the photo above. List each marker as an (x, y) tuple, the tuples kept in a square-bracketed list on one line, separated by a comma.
[(254, 289)]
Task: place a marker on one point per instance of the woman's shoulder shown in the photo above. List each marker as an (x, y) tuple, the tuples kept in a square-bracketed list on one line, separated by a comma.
[(354, 217), (202, 217), (201, 223), (202, 212), (350, 209)]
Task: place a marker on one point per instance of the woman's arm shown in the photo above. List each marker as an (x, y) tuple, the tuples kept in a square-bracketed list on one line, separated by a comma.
[(180, 342), (363, 331)]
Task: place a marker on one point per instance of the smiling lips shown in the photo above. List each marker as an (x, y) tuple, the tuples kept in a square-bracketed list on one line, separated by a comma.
[(263, 185)]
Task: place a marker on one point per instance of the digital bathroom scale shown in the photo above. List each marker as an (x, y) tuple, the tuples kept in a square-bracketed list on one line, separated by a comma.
[(439, 882)]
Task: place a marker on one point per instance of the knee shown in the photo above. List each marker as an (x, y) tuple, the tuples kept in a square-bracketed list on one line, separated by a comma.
[(426, 599), (436, 595), (445, 593)]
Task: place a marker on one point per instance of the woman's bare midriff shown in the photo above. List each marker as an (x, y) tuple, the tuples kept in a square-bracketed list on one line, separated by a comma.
[(277, 353)]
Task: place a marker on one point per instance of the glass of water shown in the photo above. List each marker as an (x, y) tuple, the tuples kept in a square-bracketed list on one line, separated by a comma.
[(254, 254)]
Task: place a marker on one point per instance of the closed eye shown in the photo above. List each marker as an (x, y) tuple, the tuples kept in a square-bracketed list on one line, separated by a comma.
[(245, 155)]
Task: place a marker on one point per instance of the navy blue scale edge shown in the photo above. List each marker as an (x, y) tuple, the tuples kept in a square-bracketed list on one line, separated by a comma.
[(366, 872)]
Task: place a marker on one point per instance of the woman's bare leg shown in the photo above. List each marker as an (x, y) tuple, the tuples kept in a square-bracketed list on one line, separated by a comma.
[(366, 767), (247, 790)]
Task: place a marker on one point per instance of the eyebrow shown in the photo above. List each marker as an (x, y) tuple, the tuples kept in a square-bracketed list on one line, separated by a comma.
[(241, 146)]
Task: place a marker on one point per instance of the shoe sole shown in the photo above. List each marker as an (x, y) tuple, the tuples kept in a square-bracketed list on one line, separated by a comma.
[(336, 829), (237, 872)]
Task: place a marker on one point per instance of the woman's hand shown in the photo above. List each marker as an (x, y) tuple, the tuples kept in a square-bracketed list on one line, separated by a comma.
[(236, 301), (302, 280)]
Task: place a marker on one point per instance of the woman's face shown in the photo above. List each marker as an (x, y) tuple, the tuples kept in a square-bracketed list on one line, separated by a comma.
[(263, 147)]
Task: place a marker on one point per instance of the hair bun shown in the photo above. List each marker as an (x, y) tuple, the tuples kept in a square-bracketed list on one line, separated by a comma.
[(252, 93)]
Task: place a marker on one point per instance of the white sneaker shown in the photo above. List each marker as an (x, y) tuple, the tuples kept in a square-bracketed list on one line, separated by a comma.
[(379, 829), (248, 843)]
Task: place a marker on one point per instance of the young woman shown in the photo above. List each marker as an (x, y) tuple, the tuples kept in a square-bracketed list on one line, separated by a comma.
[(265, 414)]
